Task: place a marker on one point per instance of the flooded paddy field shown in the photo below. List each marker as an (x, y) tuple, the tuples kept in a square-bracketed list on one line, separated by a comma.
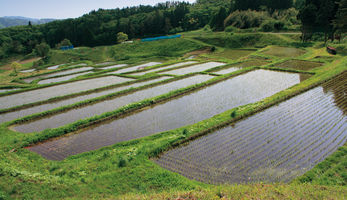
[(66, 72), (191, 108), (163, 68), (58, 90), (114, 66), (275, 145), (107, 105), (194, 68), (239, 66), (234, 53), (299, 64), (63, 78), (135, 68), (41, 108), (284, 51)]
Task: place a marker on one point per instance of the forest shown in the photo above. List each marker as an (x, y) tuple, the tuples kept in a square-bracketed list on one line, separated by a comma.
[(102, 26)]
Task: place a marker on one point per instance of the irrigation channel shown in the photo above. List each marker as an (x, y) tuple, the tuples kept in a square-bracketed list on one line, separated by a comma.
[(66, 72), (275, 145), (188, 109), (71, 116), (56, 104), (58, 90)]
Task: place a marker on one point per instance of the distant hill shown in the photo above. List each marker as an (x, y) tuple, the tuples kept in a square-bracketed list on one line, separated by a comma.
[(18, 21)]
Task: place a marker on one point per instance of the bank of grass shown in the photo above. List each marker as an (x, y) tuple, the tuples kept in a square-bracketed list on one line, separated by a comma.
[(254, 191)]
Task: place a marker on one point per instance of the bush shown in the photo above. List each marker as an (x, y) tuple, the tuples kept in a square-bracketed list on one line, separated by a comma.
[(121, 37), (246, 19), (42, 49), (64, 43), (207, 28), (230, 29), (267, 26), (176, 30), (272, 25)]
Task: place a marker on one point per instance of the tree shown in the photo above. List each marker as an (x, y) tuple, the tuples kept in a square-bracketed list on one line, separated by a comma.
[(340, 23), (121, 37), (317, 16), (42, 49), (217, 21), (15, 66)]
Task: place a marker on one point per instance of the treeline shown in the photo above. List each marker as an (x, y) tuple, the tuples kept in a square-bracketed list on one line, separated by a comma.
[(101, 27), (324, 16)]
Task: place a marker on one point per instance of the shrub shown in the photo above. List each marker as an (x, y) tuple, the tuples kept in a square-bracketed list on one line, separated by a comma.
[(230, 29), (272, 25), (65, 42), (42, 49), (246, 19), (121, 37)]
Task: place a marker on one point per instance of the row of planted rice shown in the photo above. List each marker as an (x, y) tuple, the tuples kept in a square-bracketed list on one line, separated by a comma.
[(275, 145), (188, 109)]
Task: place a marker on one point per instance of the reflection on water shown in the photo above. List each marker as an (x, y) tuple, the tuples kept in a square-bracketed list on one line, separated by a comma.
[(278, 144), (189, 109)]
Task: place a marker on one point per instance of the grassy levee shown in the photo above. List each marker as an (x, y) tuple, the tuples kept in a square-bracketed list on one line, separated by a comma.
[(252, 191)]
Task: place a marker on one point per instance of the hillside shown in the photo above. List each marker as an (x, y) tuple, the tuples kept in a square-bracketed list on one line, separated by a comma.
[(6, 22)]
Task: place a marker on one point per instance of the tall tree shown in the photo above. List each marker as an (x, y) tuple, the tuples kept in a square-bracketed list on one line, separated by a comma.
[(217, 21), (340, 23)]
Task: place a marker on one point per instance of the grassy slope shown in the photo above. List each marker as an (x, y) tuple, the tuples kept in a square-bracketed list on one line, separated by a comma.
[(114, 171)]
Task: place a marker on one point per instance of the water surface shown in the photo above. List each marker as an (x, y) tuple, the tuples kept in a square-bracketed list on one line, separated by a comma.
[(188, 109), (107, 105), (275, 145), (58, 90), (40, 108)]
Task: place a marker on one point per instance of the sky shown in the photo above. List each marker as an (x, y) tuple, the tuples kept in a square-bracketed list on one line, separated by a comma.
[(62, 9)]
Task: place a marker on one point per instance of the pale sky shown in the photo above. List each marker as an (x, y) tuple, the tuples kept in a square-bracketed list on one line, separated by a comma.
[(61, 9)]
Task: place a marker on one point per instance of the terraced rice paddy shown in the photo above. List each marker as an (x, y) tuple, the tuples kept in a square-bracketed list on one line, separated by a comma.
[(114, 66), (275, 145), (234, 53), (239, 66), (55, 66), (284, 51), (299, 65), (62, 73), (135, 68), (58, 90), (194, 68), (164, 68), (107, 105), (27, 71), (56, 104), (63, 78), (188, 109)]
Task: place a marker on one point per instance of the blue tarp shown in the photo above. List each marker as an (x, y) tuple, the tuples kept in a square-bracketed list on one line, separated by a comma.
[(161, 38), (66, 47)]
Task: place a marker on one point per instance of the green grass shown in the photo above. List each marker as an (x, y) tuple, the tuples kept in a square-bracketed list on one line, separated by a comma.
[(124, 170)]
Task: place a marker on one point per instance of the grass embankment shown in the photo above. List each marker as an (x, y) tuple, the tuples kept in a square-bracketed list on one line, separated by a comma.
[(125, 167)]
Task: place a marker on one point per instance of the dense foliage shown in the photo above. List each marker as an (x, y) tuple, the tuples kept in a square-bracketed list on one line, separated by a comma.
[(318, 16)]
